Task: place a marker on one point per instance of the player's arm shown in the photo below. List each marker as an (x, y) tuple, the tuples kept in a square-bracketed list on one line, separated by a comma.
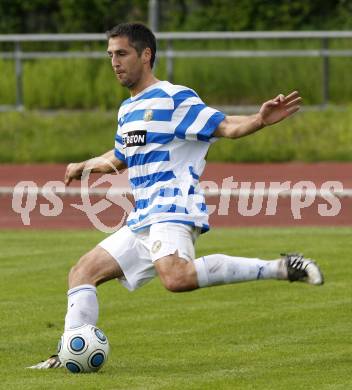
[(272, 111), (106, 163)]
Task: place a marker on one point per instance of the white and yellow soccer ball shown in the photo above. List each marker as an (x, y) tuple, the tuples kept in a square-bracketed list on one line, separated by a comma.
[(83, 349)]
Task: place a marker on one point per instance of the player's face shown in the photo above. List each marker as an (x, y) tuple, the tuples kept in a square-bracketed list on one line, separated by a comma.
[(125, 61)]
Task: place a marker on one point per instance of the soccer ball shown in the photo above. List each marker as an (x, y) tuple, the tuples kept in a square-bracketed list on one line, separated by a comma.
[(83, 349)]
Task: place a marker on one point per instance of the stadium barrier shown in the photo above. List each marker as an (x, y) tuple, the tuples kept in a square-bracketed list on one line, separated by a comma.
[(18, 55)]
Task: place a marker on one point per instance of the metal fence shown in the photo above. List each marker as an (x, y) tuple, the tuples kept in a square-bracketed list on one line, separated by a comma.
[(323, 52)]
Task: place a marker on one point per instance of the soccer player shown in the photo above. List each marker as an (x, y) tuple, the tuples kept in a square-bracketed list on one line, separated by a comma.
[(163, 135)]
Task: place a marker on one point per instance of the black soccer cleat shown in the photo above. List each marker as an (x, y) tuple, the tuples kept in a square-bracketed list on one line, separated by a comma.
[(52, 362), (302, 269)]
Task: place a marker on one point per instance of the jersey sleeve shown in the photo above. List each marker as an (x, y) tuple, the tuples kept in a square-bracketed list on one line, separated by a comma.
[(119, 150), (192, 119)]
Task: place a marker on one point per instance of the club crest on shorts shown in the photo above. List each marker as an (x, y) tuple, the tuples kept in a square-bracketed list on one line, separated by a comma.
[(156, 246), (148, 115)]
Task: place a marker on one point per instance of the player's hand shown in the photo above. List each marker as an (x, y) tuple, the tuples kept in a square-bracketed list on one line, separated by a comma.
[(279, 108), (73, 171)]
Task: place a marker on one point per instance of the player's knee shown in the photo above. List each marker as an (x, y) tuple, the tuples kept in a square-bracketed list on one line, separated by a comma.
[(176, 274), (178, 279), (82, 272), (76, 275), (173, 283), (95, 267)]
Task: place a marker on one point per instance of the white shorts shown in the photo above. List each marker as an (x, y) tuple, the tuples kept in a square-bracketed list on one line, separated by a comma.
[(136, 252)]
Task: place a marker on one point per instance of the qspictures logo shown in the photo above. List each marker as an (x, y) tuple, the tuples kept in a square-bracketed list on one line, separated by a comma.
[(229, 198)]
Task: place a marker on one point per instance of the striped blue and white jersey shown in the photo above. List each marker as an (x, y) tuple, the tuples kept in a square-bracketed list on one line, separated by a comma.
[(163, 136)]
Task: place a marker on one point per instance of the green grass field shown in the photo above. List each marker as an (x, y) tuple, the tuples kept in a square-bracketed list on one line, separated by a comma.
[(308, 136), (258, 335)]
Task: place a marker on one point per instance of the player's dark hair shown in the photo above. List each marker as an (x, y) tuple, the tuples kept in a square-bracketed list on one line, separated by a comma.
[(139, 36)]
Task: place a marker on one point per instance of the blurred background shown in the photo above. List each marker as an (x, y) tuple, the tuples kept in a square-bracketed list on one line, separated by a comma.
[(235, 54)]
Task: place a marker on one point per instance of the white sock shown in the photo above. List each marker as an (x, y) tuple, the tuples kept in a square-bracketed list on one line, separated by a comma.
[(82, 306), (221, 269)]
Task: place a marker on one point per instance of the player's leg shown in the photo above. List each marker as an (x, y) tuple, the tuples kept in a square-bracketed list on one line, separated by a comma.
[(94, 268), (222, 269), (178, 273), (120, 256)]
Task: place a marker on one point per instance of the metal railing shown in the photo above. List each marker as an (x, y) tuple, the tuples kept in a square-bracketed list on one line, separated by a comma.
[(18, 55)]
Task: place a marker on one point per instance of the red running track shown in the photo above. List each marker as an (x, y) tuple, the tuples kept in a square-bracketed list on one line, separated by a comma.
[(293, 173)]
